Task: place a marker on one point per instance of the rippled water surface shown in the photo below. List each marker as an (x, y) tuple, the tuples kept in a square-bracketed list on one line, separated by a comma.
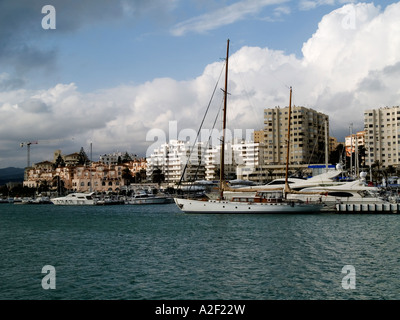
[(157, 252)]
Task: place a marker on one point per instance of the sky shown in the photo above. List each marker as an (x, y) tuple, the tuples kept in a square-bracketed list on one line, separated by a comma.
[(127, 75)]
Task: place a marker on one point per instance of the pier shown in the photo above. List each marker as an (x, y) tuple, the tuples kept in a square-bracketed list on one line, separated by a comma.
[(369, 207)]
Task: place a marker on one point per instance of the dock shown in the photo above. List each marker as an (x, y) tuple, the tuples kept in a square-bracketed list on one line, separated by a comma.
[(369, 207)]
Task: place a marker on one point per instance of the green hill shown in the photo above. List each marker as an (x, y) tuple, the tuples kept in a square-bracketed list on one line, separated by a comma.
[(11, 174)]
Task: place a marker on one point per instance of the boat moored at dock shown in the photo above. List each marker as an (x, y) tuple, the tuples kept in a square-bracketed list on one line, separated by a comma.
[(75, 199)]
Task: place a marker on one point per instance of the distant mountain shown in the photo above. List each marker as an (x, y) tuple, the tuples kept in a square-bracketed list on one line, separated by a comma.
[(11, 174)]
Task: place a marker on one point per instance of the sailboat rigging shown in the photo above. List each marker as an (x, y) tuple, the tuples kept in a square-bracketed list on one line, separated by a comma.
[(261, 202)]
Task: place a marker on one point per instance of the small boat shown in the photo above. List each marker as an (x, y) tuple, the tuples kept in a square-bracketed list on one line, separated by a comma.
[(75, 199), (145, 198), (108, 201), (37, 200), (24, 201)]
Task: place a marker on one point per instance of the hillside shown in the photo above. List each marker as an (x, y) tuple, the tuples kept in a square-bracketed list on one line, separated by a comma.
[(11, 174)]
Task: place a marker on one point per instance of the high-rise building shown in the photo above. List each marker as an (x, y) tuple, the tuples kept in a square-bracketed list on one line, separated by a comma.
[(258, 136), (308, 132), (382, 136)]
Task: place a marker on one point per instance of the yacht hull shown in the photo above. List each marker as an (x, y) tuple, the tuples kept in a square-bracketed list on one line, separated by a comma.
[(154, 200), (222, 207)]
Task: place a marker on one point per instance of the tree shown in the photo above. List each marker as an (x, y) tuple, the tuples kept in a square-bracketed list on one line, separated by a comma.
[(82, 157), (43, 186), (361, 155), (377, 172), (126, 157), (157, 176), (127, 175), (59, 162), (335, 155), (58, 184), (140, 176)]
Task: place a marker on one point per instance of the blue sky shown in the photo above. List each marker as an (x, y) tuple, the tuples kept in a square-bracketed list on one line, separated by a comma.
[(143, 46), (109, 54)]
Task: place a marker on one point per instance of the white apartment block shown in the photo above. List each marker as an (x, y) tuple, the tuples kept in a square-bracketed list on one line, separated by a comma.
[(249, 157), (308, 130), (382, 136), (213, 162), (172, 158), (241, 159)]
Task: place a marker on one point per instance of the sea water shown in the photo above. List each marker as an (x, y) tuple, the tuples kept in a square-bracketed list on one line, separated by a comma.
[(154, 252)]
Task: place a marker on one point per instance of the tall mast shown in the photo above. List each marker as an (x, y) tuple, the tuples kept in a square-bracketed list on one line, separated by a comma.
[(326, 146), (222, 168), (351, 150), (90, 168), (287, 189)]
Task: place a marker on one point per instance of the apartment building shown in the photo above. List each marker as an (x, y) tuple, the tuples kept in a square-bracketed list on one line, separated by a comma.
[(258, 136), (241, 158), (354, 140), (249, 157), (382, 136), (117, 158), (308, 130), (333, 143), (176, 158), (213, 163)]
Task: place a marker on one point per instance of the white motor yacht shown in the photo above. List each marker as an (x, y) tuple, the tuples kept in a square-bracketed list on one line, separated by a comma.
[(75, 199)]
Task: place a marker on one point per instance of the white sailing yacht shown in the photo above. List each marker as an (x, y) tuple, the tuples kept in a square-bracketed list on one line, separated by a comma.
[(261, 202)]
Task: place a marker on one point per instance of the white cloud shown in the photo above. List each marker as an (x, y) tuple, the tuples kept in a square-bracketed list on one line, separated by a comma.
[(312, 4), (224, 16), (282, 10), (343, 72)]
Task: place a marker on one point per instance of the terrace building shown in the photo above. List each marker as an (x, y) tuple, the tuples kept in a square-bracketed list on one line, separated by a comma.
[(96, 176)]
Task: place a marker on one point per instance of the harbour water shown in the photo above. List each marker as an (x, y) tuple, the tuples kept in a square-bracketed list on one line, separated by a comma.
[(157, 252)]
